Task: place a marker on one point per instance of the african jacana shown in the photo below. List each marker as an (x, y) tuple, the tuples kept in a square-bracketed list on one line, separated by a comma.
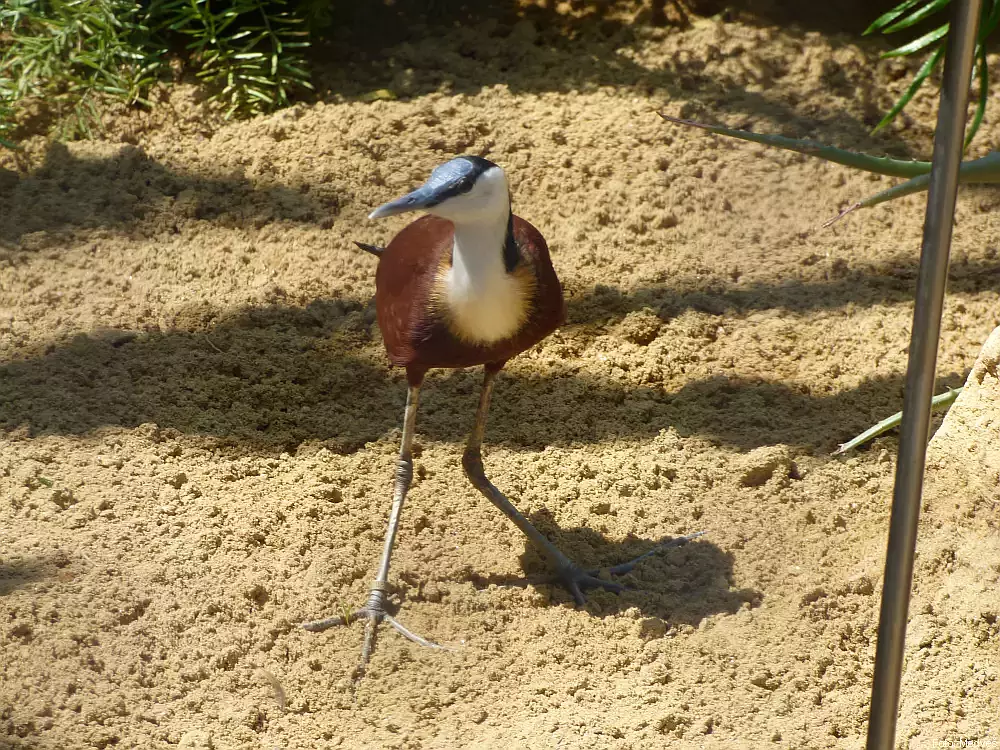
[(469, 284)]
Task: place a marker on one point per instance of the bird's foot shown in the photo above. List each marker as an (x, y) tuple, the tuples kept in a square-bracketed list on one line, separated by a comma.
[(577, 580), (374, 613)]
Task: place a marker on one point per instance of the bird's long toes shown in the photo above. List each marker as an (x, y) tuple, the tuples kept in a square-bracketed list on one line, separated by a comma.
[(365, 613), (411, 636), (593, 580), (628, 566), (612, 586), (574, 588), (577, 581)]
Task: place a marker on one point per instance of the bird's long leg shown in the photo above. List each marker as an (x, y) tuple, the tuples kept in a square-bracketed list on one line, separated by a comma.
[(572, 576), (374, 611)]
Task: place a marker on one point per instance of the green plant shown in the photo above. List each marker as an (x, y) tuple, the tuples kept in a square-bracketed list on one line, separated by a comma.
[(75, 54), (248, 50), (6, 120), (941, 401), (71, 53), (910, 13)]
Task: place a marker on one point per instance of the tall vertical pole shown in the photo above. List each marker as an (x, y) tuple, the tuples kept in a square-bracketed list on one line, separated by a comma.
[(926, 330)]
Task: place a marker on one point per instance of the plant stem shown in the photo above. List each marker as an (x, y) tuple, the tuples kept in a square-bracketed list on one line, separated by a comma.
[(940, 401)]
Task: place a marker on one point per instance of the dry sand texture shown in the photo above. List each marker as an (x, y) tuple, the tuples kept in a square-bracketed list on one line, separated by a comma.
[(199, 426)]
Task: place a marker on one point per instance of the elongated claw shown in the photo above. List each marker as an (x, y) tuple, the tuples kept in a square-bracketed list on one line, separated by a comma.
[(374, 612), (576, 580), (627, 567), (318, 626), (410, 635)]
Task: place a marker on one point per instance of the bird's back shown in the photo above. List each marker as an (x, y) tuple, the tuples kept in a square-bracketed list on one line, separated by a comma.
[(413, 318)]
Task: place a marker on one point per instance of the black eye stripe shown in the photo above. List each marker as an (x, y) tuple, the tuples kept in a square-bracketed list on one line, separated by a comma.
[(463, 181), (460, 186)]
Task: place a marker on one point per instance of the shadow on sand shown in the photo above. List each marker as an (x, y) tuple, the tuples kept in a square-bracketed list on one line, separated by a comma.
[(131, 191), (463, 47), (274, 377), (19, 572), (681, 584)]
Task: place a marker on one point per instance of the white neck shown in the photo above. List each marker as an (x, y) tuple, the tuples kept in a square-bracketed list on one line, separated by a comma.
[(477, 257), (485, 301)]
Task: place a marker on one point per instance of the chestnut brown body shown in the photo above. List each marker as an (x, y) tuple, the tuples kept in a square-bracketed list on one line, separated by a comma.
[(414, 319)]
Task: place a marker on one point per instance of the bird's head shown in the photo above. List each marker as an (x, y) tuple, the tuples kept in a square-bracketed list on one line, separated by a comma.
[(467, 189)]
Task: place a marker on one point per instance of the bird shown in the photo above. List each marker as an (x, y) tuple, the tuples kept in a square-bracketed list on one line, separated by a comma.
[(467, 284)]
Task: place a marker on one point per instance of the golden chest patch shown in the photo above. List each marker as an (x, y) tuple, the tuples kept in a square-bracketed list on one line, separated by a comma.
[(485, 309)]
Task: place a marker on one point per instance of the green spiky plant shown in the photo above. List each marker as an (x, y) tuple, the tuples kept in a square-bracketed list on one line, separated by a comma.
[(74, 55), (983, 170), (910, 13), (249, 51)]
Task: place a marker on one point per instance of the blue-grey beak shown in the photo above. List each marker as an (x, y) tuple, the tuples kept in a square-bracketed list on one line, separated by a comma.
[(424, 196), (446, 181)]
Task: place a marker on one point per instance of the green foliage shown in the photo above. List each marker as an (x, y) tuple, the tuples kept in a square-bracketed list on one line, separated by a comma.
[(317, 14), (71, 53), (250, 51), (910, 13), (6, 121), (74, 54), (941, 401)]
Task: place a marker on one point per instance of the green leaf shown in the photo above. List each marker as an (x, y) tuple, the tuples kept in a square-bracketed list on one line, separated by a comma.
[(257, 94), (877, 165), (983, 74), (296, 71), (890, 16), (988, 23), (941, 401), (917, 16), (919, 43), (978, 171), (915, 84), (983, 170)]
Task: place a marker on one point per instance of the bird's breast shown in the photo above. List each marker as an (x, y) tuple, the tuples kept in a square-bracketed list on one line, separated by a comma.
[(486, 306), (441, 308)]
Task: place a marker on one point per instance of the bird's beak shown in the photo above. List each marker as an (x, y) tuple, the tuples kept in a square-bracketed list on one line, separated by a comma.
[(424, 196)]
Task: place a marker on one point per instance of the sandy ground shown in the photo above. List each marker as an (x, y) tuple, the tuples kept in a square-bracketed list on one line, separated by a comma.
[(198, 425)]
